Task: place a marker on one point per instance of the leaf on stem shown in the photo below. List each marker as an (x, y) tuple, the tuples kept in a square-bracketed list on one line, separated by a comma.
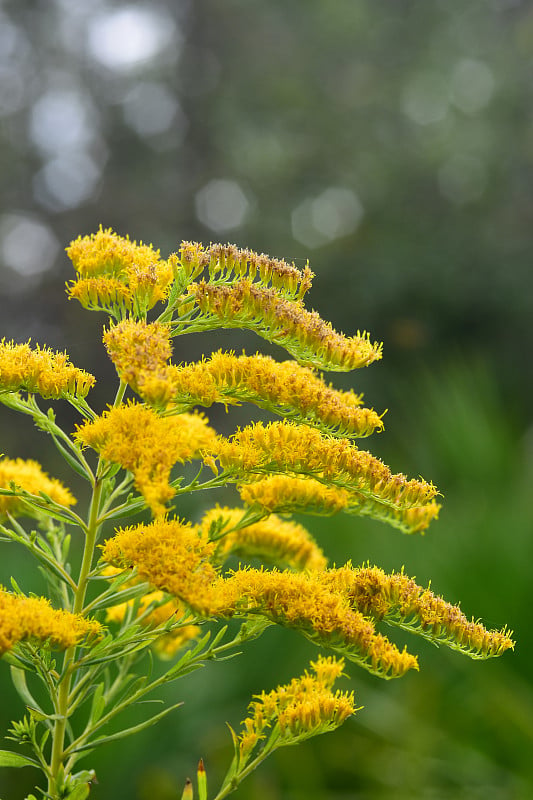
[(9, 759)]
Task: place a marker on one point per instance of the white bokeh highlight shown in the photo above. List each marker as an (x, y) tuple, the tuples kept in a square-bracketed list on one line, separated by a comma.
[(334, 213), (221, 205), (62, 119), (124, 38), (472, 85), (27, 245), (151, 109), (66, 181)]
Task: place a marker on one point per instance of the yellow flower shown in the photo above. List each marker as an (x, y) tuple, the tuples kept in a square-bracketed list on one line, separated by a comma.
[(147, 445), (308, 496), (303, 333), (176, 558), (140, 352), (101, 292), (305, 707), (287, 388), (30, 477), (171, 555), (400, 601), (41, 371), (107, 253), (227, 262), (336, 608), (28, 618), (297, 449), (275, 540), (115, 272), (304, 601), (283, 493)]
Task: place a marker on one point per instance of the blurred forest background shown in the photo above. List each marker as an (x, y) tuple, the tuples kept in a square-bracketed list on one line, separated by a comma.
[(391, 144)]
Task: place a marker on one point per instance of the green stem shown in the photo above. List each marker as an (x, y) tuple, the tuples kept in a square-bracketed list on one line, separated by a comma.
[(70, 653), (231, 784), (63, 695)]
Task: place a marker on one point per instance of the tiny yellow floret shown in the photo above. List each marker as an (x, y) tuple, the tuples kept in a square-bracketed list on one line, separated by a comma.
[(172, 555)]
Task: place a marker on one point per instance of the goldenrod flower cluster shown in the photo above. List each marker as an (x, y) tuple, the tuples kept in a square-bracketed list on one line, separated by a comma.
[(28, 476), (157, 579), (299, 450), (283, 494), (179, 559), (399, 600), (226, 262), (118, 275), (304, 707), (41, 371), (337, 608), (148, 445), (275, 540), (304, 601), (139, 352), (28, 618), (171, 555), (303, 333), (309, 496)]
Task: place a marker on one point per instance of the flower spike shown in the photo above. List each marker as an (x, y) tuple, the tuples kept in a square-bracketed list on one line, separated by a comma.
[(304, 334), (41, 371), (33, 618)]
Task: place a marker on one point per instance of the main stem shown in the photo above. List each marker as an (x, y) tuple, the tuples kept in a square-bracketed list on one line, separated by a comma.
[(62, 708), (70, 654)]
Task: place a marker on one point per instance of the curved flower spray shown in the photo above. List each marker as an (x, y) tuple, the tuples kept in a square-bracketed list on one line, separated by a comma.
[(166, 584)]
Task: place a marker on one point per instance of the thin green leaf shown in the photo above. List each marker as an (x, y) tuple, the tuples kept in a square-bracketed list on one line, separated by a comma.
[(138, 590), (127, 731), (9, 759), (116, 653), (219, 635), (98, 703), (15, 585), (18, 677), (72, 461), (50, 563), (127, 509)]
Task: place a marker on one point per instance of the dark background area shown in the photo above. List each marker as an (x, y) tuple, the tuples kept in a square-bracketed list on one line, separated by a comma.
[(391, 144)]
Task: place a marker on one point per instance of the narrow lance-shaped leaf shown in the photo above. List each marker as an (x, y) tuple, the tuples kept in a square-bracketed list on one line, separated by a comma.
[(9, 759)]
